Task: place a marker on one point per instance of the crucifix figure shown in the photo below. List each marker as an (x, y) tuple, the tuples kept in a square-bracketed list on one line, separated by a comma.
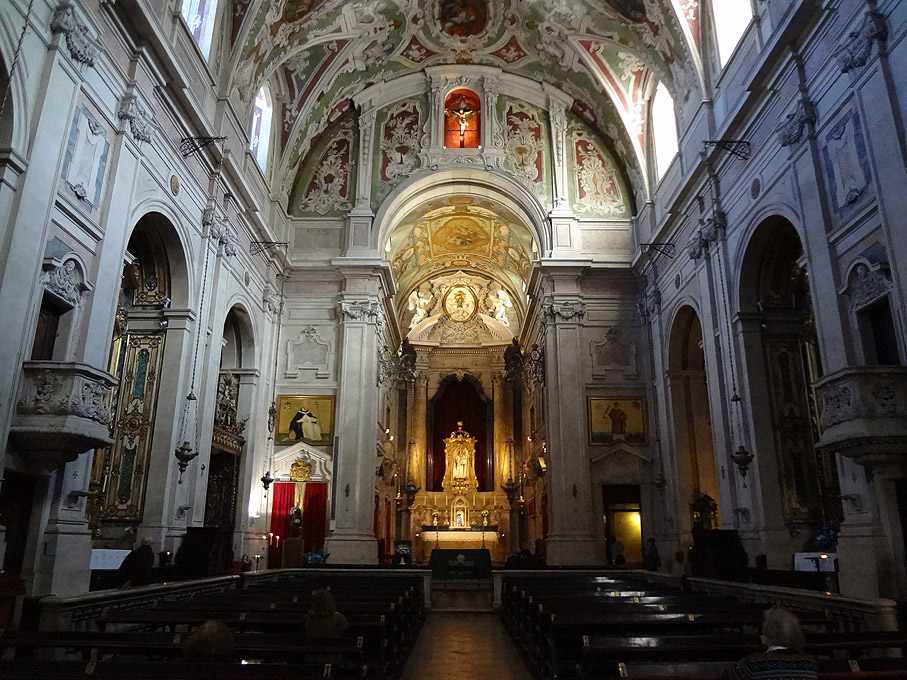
[(463, 113)]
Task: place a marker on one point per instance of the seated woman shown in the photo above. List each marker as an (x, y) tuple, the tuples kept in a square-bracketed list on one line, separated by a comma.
[(783, 657), (323, 619)]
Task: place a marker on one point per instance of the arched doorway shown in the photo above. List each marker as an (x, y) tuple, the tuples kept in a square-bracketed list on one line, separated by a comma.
[(784, 365), (693, 445)]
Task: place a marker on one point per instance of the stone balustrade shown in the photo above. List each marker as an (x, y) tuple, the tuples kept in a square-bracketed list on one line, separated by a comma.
[(63, 410)]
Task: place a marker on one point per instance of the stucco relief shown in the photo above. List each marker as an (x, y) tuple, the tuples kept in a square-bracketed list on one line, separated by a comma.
[(613, 355), (597, 187), (867, 284), (309, 351), (329, 189)]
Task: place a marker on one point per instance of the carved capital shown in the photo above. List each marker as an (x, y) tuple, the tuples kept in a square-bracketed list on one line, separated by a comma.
[(804, 117), (82, 47), (571, 310), (361, 310), (135, 118), (854, 50)]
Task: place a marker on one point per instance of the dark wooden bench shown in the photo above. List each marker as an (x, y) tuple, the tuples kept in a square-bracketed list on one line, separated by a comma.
[(145, 670)]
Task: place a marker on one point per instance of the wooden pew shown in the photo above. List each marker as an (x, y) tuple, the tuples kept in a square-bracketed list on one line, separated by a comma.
[(118, 670)]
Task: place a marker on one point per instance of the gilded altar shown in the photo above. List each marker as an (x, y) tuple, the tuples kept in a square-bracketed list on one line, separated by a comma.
[(460, 455)]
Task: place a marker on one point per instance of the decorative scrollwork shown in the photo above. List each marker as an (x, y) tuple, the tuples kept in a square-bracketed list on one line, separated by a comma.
[(854, 52), (82, 47), (790, 130), (565, 311), (136, 118)]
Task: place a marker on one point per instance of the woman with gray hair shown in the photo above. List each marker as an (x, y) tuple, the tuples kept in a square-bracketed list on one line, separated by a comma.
[(783, 656)]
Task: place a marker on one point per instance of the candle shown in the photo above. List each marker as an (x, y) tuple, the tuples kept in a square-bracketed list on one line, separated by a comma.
[(277, 544), (270, 538)]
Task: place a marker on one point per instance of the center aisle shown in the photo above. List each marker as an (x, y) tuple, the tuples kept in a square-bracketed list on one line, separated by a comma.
[(455, 645)]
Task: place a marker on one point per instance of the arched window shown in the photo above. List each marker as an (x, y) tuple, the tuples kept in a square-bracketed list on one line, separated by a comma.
[(261, 127), (664, 129), (199, 16), (732, 17)]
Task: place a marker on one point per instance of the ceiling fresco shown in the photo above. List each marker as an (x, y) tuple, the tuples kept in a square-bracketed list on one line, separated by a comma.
[(456, 232), (600, 53)]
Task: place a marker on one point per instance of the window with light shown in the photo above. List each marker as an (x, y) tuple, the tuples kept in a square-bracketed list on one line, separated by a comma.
[(199, 17), (261, 127), (664, 129), (732, 17)]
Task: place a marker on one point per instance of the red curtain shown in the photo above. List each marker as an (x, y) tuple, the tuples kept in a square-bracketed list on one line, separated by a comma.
[(283, 495), (314, 508)]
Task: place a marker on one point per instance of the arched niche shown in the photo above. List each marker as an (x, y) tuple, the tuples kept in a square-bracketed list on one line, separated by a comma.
[(238, 341), (155, 249), (462, 119), (783, 363), (693, 444), (460, 400)]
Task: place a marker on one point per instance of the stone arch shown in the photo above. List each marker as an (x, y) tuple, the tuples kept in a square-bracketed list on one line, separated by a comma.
[(164, 228), (241, 342), (781, 357), (427, 184), (693, 443), (14, 125)]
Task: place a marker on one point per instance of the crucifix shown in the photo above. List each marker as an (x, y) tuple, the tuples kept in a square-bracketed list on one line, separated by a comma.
[(462, 114)]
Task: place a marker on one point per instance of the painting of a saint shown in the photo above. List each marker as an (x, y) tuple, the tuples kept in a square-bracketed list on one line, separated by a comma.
[(616, 419), (463, 18), (305, 419)]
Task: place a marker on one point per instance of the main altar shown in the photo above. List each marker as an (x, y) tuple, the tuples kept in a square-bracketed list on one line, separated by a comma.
[(460, 517)]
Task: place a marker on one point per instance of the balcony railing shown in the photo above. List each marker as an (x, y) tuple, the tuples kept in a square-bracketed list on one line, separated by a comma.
[(864, 413), (64, 410)]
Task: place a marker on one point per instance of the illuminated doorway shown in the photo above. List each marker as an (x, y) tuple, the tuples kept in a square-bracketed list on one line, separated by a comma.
[(623, 524)]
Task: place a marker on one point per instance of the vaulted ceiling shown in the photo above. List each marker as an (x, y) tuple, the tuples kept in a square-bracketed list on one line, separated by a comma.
[(603, 53)]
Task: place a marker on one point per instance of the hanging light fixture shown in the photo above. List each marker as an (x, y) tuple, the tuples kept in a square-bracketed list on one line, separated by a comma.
[(185, 452)]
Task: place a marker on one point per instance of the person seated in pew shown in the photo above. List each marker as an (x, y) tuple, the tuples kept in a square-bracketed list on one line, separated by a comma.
[(783, 657), (211, 641), (323, 620)]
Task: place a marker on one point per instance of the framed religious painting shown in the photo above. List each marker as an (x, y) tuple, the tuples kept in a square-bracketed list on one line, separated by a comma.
[(616, 419), (309, 419)]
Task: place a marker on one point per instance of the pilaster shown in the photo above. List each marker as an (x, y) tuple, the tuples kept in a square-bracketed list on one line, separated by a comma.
[(571, 541), (353, 538)]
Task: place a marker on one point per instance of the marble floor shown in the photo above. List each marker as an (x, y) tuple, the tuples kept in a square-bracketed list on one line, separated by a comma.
[(460, 645)]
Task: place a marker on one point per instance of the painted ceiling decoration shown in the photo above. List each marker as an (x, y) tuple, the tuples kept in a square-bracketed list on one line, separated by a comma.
[(461, 232), (599, 53)]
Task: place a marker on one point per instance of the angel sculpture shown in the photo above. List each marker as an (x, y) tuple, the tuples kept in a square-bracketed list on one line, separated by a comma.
[(418, 304)]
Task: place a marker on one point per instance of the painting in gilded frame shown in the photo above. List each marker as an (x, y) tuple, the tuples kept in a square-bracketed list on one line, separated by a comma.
[(305, 418), (616, 419)]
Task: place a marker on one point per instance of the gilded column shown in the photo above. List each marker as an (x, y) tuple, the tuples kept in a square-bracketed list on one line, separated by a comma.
[(419, 434), (501, 430)]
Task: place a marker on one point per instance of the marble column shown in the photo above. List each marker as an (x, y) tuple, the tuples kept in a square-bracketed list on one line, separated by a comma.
[(353, 540), (571, 541)]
